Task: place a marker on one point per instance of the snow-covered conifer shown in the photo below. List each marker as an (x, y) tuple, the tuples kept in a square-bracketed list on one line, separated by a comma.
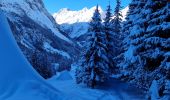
[(116, 26), (146, 57), (108, 29), (94, 67)]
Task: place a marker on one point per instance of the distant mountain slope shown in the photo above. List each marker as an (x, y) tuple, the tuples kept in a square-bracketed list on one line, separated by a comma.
[(75, 23), (34, 28), (35, 10)]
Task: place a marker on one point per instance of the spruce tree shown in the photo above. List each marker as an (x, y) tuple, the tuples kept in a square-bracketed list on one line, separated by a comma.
[(94, 67), (116, 26), (156, 57), (117, 19), (130, 27), (147, 55), (108, 29)]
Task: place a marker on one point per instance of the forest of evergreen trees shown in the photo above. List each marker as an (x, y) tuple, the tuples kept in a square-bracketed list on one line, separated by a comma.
[(138, 49)]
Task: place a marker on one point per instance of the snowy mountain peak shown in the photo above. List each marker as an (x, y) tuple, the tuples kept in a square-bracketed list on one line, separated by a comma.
[(69, 16), (75, 23), (85, 9), (63, 10)]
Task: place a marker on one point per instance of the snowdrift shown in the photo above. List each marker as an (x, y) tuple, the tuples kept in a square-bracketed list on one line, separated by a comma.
[(64, 75), (18, 80)]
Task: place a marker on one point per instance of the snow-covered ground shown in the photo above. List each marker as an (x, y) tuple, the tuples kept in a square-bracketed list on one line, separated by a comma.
[(49, 48), (111, 90)]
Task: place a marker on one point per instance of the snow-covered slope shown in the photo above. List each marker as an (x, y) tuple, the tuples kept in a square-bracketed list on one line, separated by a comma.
[(32, 27), (35, 10), (75, 23), (18, 80), (110, 90)]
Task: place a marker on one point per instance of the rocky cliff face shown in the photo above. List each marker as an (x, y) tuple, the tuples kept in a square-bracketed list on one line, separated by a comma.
[(38, 36)]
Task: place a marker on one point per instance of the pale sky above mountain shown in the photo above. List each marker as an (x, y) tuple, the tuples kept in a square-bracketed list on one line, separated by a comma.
[(55, 5)]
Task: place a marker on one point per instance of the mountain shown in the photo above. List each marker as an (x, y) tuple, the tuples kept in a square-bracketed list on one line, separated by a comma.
[(65, 15), (75, 23), (37, 34), (18, 80)]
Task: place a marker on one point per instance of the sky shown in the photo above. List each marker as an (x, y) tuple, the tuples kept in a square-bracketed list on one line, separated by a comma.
[(55, 5)]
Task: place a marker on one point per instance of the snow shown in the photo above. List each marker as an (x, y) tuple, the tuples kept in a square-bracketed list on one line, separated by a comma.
[(135, 31), (49, 48), (124, 13), (112, 90), (129, 54), (64, 75), (70, 17), (77, 29), (18, 79), (166, 91), (153, 91), (56, 66), (76, 23), (27, 44), (34, 13)]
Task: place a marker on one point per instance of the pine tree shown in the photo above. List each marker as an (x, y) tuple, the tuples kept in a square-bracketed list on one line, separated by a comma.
[(117, 19), (94, 67), (108, 29), (130, 27), (133, 10), (147, 55), (116, 25)]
